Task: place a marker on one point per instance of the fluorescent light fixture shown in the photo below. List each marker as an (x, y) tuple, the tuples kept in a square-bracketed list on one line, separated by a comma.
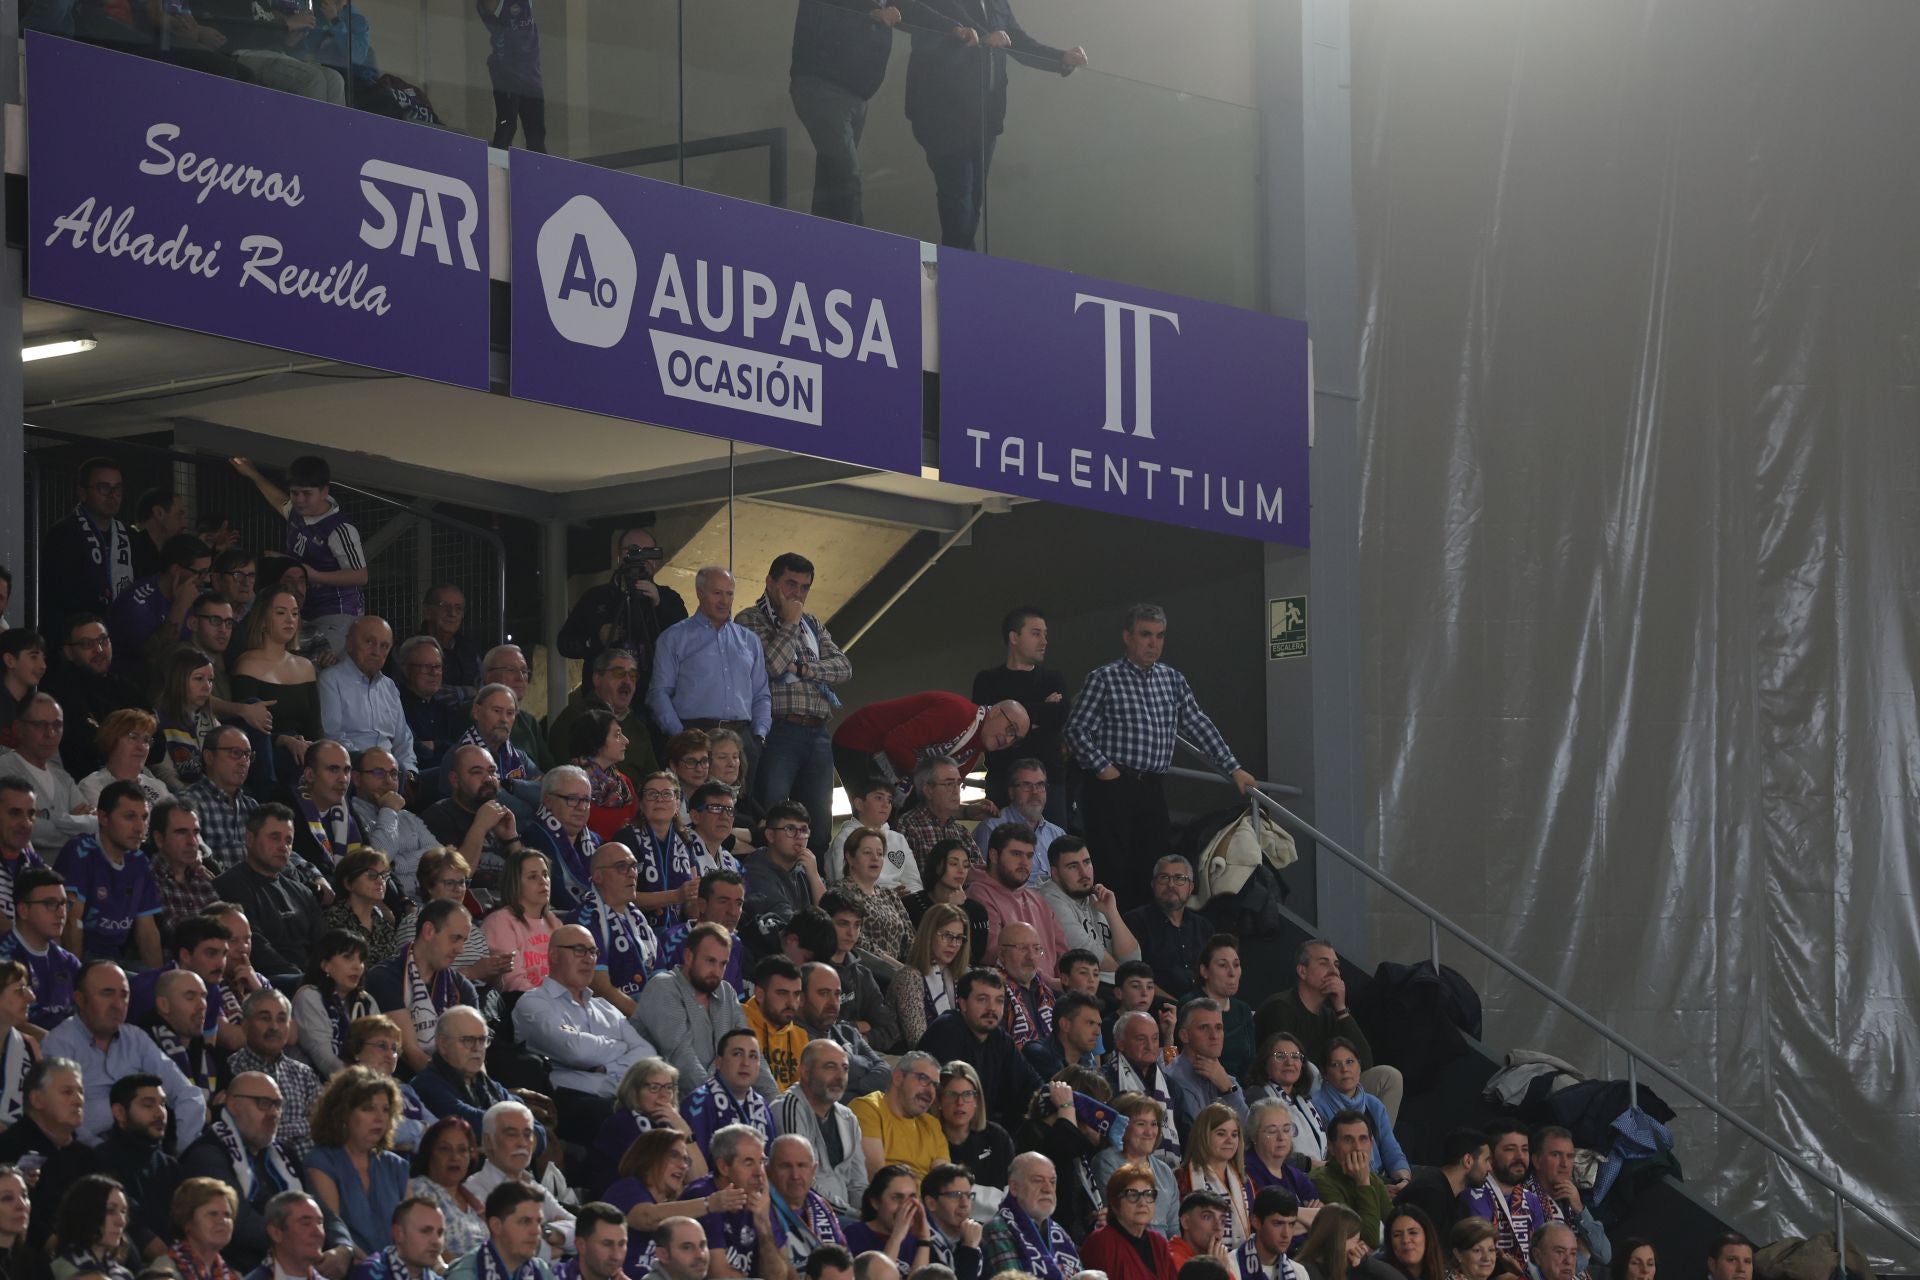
[(47, 346)]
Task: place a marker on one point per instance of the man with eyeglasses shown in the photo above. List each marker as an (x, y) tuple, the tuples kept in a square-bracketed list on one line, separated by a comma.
[(159, 603), (812, 1109), (88, 690), (456, 1083), (40, 918), (243, 1150), (898, 1126), (783, 877), (1135, 1066), (359, 705), (629, 950), (936, 783), (952, 1232), (1029, 1000), (1172, 936), (435, 718), (560, 830), (59, 814), (221, 798), (390, 826), (612, 685), (588, 1041), (235, 571), (506, 664), (893, 739), (443, 615), (711, 808), (1026, 803), (87, 558)]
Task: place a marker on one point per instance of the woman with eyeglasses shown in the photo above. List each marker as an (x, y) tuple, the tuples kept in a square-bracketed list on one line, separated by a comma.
[(886, 928), (90, 1231), (441, 1166), (654, 1174), (597, 745), (373, 1041), (1129, 1246), (268, 670), (1269, 1157), (925, 986), (184, 718), (1147, 1119), (18, 1050), (1281, 1071), (975, 1143), (647, 1098), (523, 923), (667, 881), (352, 1170), (124, 739), (446, 876), (690, 759), (363, 877), (330, 996)]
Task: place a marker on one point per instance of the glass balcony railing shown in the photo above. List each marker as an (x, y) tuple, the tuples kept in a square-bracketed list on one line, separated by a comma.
[(1088, 171)]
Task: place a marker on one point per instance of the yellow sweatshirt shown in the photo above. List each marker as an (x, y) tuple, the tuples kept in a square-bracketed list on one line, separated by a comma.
[(780, 1048)]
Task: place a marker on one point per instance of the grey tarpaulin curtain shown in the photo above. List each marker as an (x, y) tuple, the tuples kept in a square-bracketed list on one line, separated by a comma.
[(1640, 542)]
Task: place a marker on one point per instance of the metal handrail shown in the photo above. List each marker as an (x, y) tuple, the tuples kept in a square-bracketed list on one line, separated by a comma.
[(1635, 1055), (487, 536), (1201, 775)]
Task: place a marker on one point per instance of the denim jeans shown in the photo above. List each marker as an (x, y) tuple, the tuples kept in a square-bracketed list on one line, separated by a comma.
[(797, 763), (834, 119)]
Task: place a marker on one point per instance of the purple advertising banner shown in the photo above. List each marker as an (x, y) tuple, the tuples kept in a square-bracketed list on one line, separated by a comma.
[(650, 301), (202, 203), (1076, 390)]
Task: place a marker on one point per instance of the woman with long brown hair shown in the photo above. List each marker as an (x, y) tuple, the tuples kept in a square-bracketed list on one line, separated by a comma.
[(927, 984)]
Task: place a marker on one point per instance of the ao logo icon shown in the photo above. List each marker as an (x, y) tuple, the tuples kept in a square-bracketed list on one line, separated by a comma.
[(587, 273)]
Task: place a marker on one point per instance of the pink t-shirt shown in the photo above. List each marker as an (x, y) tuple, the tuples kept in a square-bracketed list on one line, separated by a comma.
[(527, 940)]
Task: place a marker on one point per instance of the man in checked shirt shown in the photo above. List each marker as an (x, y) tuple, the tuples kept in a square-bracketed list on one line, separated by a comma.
[(1121, 732)]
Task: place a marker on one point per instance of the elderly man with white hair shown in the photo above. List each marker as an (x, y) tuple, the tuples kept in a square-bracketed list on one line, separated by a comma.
[(1023, 1236), (559, 829), (709, 672), (507, 1141), (804, 1214), (748, 1241)]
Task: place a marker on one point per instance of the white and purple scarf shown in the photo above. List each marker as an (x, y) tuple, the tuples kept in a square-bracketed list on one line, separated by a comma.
[(424, 1004), (575, 861), (1050, 1252), (628, 944), (15, 1061), (1247, 1261), (279, 1171), (494, 1267), (116, 556)]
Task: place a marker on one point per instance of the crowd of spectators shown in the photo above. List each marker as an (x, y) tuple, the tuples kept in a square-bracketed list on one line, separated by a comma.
[(323, 957)]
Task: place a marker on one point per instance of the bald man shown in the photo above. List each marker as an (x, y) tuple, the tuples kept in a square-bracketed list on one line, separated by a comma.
[(359, 704), (891, 740), (589, 1042)]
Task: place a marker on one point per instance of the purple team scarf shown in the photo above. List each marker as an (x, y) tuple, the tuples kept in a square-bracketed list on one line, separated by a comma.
[(663, 865), (494, 1267), (1247, 1261), (816, 1221), (1027, 1024), (575, 860), (116, 557), (511, 761), (1047, 1252), (628, 945)]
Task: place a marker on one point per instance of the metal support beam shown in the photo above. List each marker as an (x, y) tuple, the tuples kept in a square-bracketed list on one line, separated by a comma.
[(874, 507), (748, 479), (13, 447), (553, 609)]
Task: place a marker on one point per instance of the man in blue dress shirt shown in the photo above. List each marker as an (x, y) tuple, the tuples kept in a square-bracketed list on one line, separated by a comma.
[(709, 671)]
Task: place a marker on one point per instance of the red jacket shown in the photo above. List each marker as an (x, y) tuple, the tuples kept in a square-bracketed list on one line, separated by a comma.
[(941, 724), (1105, 1249)]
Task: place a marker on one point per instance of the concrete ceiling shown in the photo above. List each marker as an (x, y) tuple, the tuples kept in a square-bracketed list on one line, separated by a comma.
[(436, 441)]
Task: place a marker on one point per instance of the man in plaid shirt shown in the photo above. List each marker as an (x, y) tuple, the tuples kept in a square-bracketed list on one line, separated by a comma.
[(1121, 732), (220, 797), (803, 665)]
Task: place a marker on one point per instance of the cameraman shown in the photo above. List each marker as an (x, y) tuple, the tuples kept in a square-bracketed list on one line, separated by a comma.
[(629, 610)]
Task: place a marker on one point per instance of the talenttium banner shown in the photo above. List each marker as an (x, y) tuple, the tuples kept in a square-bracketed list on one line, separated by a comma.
[(202, 203), (1071, 389), (650, 301)]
